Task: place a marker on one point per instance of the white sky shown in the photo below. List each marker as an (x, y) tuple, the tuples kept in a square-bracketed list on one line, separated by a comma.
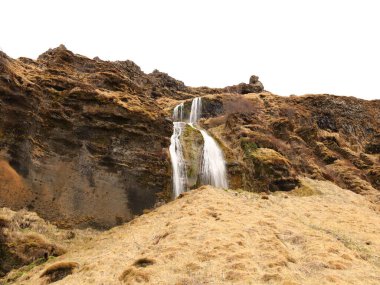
[(296, 47)]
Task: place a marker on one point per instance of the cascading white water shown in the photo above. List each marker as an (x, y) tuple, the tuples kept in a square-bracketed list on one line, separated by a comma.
[(178, 163), (213, 169), (196, 110), (178, 113), (176, 154)]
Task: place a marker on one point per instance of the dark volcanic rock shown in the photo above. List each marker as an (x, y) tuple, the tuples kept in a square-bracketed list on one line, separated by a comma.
[(373, 146), (85, 139), (254, 86), (280, 138), (253, 79)]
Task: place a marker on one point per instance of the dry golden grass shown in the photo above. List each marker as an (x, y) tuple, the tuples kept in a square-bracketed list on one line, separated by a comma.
[(58, 271), (13, 190), (211, 236), (304, 190), (27, 241), (22, 224)]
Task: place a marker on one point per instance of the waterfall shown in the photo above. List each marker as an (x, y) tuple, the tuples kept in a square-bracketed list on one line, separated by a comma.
[(196, 110), (178, 113), (176, 154), (178, 163), (213, 169)]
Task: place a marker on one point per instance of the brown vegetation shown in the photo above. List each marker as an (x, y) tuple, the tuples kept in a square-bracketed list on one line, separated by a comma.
[(58, 271), (83, 142), (315, 234), (329, 143), (26, 241)]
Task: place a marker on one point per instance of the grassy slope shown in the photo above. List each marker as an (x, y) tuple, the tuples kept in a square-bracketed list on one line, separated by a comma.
[(319, 234)]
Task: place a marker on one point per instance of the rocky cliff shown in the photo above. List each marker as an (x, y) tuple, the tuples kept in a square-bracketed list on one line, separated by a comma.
[(85, 141), (270, 140)]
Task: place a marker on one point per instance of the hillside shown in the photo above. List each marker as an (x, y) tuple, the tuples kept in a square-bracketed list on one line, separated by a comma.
[(318, 234), (81, 136), (86, 179), (84, 142)]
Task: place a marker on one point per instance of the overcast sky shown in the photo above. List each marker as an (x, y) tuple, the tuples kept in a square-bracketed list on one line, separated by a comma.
[(295, 47)]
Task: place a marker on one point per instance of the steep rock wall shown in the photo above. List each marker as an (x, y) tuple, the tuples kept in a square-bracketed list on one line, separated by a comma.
[(270, 140), (87, 141)]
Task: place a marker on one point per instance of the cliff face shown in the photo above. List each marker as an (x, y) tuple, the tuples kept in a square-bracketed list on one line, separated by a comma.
[(82, 141), (270, 141), (85, 141)]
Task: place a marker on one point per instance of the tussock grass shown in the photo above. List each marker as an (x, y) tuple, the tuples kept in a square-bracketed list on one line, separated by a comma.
[(211, 236), (58, 271)]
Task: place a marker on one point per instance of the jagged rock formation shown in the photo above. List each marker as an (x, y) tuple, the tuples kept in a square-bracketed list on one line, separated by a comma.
[(269, 141), (84, 137), (85, 141)]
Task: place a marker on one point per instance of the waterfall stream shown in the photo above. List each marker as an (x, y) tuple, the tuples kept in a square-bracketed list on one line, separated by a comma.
[(213, 169), (176, 153), (196, 110), (178, 113), (178, 163)]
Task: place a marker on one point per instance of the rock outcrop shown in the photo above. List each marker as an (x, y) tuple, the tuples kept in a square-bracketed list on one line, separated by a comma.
[(270, 140), (83, 137)]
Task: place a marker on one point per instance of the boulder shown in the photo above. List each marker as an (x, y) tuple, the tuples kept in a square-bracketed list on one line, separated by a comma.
[(253, 79), (192, 143), (272, 170)]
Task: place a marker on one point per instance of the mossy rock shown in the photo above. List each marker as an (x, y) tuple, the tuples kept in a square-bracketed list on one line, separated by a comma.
[(305, 190), (267, 157), (325, 154), (271, 170), (192, 146), (248, 146), (282, 128)]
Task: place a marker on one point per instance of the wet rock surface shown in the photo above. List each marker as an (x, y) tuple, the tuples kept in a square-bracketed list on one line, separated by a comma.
[(192, 143)]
